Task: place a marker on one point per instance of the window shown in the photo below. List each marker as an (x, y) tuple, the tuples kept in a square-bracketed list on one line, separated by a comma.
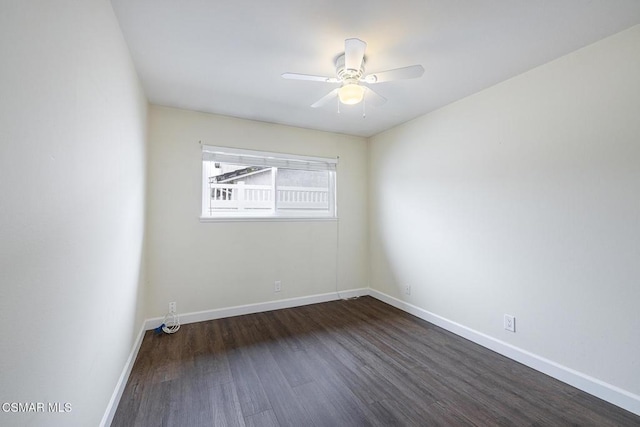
[(255, 184)]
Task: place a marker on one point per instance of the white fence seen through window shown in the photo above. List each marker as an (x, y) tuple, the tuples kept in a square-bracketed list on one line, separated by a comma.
[(245, 197)]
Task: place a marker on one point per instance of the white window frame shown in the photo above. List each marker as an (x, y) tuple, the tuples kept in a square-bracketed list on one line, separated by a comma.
[(275, 160)]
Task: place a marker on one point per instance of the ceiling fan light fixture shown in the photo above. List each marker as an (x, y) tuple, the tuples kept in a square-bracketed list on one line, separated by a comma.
[(351, 94), (350, 73)]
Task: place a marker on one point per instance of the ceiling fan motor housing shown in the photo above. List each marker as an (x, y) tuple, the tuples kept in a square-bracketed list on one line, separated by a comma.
[(348, 76)]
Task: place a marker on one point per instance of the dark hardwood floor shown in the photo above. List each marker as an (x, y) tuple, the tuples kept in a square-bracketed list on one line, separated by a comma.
[(344, 363)]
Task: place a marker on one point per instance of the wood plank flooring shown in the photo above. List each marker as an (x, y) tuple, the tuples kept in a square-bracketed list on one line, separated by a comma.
[(344, 363)]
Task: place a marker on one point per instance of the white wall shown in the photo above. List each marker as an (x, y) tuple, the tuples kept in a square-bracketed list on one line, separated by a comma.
[(524, 199), (204, 266), (72, 177)]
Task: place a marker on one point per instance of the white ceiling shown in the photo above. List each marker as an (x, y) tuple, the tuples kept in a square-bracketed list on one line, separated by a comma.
[(226, 57)]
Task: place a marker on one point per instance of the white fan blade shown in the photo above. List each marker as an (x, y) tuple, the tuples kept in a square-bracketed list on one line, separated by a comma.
[(325, 99), (410, 72), (296, 76), (371, 97), (353, 53)]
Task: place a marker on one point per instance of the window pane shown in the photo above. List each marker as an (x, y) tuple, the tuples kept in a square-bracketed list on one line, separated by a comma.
[(237, 188), (240, 183), (301, 190)]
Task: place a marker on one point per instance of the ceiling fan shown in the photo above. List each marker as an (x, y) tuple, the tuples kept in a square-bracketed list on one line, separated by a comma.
[(350, 74)]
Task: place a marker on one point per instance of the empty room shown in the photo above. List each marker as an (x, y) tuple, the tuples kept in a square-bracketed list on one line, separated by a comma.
[(337, 213)]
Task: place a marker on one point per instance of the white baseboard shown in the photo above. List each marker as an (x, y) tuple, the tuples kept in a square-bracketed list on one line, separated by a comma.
[(593, 386), (239, 310), (107, 418)]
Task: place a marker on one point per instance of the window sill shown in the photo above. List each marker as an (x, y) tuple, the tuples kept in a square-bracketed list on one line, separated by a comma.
[(267, 219)]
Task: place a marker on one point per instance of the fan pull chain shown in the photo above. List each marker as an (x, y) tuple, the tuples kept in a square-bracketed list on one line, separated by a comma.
[(364, 106), (338, 105)]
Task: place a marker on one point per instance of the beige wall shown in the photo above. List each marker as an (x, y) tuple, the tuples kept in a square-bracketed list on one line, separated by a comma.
[(524, 199), (72, 177), (204, 266)]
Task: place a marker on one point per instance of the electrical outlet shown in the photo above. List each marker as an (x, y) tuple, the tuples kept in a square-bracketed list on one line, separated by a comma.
[(407, 289), (277, 286), (172, 307), (510, 322)]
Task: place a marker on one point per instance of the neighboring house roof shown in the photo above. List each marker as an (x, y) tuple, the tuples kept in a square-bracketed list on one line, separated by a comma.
[(237, 174)]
